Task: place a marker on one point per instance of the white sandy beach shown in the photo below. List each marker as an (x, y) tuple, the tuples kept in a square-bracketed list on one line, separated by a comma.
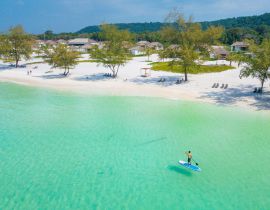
[(89, 78)]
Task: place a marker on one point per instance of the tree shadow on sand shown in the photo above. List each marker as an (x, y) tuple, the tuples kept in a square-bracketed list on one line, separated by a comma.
[(5, 67), (179, 170), (243, 93), (93, 77), (169, 80), (53, 76)]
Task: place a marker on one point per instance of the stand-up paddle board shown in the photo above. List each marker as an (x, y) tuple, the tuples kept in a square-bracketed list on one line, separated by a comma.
[(190, 166)]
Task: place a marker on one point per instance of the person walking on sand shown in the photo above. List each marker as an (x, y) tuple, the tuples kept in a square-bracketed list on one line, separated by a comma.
[(189, 155)]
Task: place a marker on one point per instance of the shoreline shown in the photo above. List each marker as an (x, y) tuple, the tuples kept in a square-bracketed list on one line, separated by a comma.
[(113, 88), (89, 79)]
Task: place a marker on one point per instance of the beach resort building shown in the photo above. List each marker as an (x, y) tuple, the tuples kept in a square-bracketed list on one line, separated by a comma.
[(156, 46), (239, 47), (38, 44), (82, 44), (218, 52), (137, 50), (142, 44), (61, 41), (50, 42)]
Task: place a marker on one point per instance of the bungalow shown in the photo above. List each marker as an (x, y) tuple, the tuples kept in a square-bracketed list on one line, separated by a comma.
[(85, 48), (174, 47), (78, 42), (51, 42), (82, 44), (61, 41), (239, 47), (156, 45), (137, 50), (38, 44), (218, 52), (143, 43)]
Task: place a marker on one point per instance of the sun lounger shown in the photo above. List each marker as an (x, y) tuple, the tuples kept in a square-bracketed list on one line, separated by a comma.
[(226, 86), (259, 90), (217, 85), (214, 85), (222, 86), (178, 82), (255, 90)]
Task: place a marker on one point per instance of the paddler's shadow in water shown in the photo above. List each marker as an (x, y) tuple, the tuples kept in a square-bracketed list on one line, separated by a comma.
[(179, 170)]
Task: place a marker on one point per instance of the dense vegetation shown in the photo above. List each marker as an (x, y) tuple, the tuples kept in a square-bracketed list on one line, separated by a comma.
[(236, 29), (251, 22), (132, 27), (240, 22)]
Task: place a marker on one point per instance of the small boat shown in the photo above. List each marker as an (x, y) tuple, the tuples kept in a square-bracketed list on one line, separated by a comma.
[(190, 166)]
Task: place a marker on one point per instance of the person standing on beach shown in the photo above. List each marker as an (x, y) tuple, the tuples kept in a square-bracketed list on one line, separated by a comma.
[(189, 155)]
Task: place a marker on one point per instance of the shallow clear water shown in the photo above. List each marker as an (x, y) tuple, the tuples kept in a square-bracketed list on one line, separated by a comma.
[(65, 151)]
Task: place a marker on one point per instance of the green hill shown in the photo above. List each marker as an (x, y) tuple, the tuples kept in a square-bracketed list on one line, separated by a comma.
[(240, 22), (251, 22), (132, 27)]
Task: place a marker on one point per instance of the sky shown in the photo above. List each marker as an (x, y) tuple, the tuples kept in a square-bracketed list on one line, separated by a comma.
[(38, 16)]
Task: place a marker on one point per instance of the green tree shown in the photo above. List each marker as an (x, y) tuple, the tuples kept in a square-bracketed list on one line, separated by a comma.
[(213, 34), (191, 41), (259, 63), (60, 56), (231, 58), (237, 57), (48, 35), (148, 50), (114, 53), (163, 54), (16, 45)]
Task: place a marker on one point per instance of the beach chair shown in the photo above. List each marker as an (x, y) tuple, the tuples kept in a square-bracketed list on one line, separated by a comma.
[(259, 90), (214, 85), (217, 85), (178, 82), (222, 86), (255, 90), (226, 86)]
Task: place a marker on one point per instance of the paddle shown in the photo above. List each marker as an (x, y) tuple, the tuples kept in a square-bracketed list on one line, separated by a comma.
[(193, 159), (195, 162)]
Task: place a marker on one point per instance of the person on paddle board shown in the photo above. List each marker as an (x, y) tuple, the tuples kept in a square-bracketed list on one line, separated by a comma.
[(189, 155)]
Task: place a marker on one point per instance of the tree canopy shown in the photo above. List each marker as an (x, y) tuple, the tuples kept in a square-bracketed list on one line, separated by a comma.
[(60, 56), (258, 64), (16, 45), (114, 52), (191, 41)]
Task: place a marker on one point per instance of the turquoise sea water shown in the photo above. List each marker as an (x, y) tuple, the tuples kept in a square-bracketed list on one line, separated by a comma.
[(67, 151)]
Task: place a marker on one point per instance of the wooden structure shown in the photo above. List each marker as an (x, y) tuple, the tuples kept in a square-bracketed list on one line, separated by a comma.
[(145, 72)]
